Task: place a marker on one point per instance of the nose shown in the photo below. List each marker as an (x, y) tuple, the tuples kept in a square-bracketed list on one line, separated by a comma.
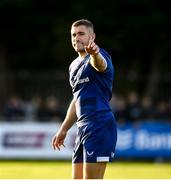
[(76, 38)]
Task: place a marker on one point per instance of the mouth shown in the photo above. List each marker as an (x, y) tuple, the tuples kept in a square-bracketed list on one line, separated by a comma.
[(78, 44)]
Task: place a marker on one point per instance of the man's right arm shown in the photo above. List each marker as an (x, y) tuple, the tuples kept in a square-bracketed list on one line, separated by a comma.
[(58, 139), (70, 117)]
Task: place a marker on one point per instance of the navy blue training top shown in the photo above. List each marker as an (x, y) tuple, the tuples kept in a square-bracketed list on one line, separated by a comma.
[(92, 90)]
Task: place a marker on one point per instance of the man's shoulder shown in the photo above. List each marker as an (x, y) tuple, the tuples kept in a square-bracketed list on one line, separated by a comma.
[(105, 53)]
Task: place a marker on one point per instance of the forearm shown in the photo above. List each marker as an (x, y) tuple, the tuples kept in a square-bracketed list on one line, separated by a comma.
[(70, 117), (98, 62)]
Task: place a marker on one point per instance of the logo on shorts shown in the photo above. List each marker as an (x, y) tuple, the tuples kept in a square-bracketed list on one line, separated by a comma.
[(90, 153)]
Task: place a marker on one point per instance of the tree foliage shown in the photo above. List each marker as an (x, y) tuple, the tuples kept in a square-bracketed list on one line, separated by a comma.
[(36, 33)]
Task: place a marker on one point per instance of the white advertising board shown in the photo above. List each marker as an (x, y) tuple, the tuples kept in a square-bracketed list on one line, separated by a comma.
[(33, 141)]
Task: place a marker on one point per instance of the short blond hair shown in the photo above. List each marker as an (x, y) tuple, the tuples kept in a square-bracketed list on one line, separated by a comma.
[(84, 22)]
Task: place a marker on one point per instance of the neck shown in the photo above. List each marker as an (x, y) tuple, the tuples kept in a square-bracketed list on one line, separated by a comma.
[(82, 54)]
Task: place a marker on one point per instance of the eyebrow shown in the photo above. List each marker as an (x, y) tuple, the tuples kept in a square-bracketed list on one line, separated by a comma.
[(79, 32)]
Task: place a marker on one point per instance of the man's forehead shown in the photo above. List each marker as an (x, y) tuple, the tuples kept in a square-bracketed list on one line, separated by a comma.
[(80, 28)]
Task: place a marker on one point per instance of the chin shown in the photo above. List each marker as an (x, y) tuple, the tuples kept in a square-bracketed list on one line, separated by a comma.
[(79, 50)]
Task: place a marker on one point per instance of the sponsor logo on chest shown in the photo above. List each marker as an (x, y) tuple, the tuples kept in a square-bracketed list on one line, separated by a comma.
[(83, 80)]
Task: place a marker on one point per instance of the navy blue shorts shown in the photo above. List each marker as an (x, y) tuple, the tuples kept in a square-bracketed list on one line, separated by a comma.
[(95, 142)]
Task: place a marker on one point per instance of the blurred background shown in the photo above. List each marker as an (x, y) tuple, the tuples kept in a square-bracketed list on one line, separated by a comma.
[(36, 51)]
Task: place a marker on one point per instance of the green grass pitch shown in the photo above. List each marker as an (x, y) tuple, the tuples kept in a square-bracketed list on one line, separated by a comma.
[(62, 170)]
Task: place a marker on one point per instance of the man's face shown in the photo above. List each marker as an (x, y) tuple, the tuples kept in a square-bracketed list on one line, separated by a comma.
[(80, 37)]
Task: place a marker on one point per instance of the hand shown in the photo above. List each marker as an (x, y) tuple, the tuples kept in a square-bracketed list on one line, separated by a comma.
[(58, 140), (92, 48)]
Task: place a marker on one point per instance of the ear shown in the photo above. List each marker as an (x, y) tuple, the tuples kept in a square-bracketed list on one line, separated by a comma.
[(93, 36)]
